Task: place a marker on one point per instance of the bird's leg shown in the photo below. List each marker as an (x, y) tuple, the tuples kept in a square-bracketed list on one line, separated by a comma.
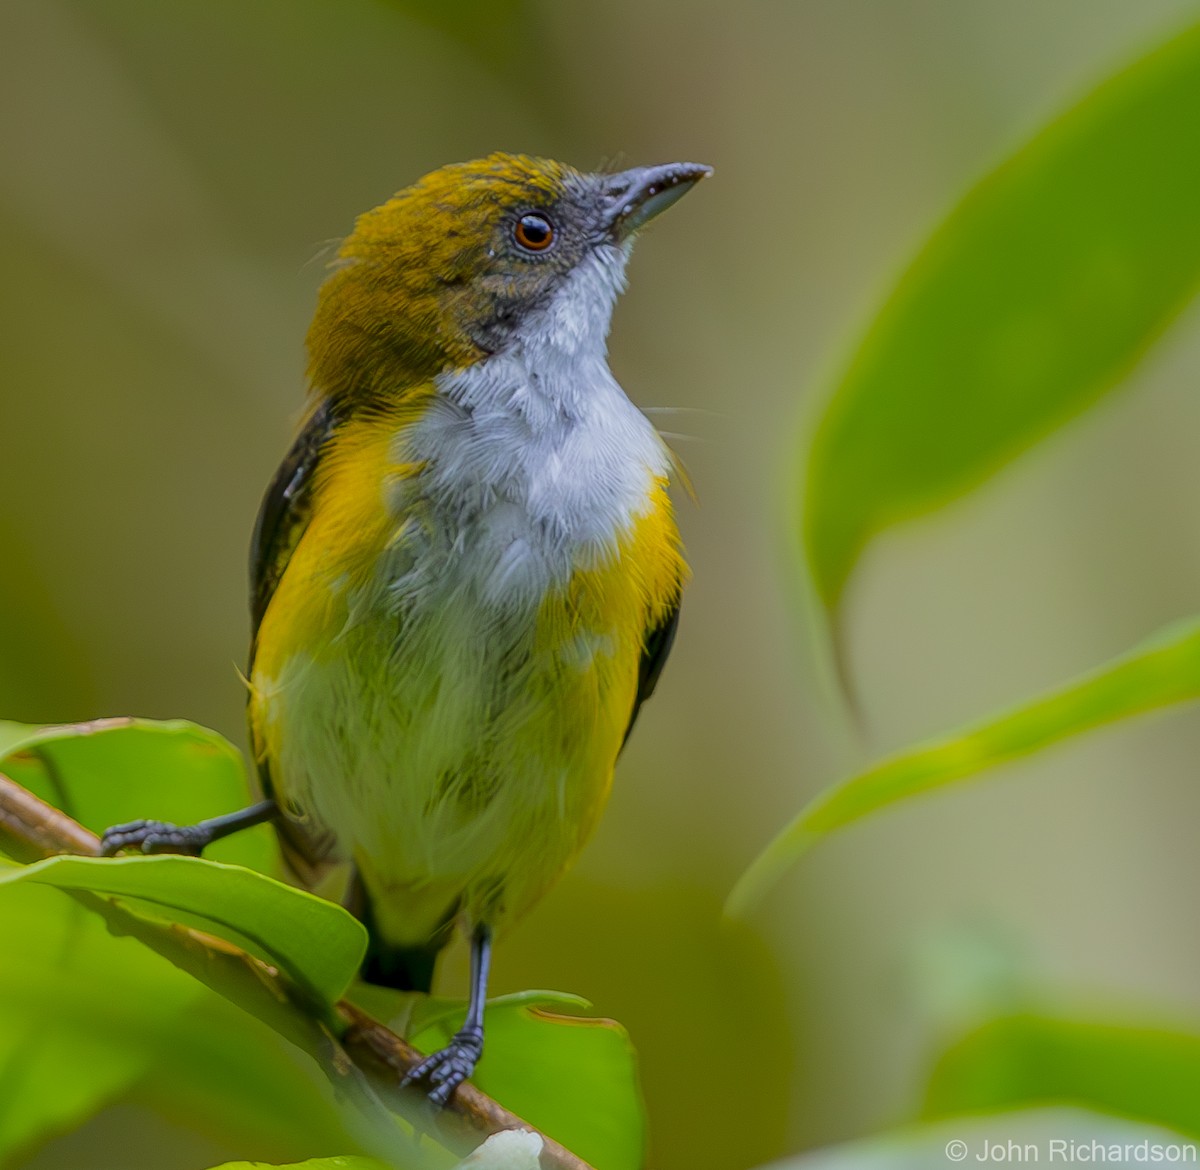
[(446, 1069), (162, 837)]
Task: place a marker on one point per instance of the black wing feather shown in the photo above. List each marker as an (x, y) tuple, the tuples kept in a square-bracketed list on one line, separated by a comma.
[(285, 512), (655, 650), (284, 515)]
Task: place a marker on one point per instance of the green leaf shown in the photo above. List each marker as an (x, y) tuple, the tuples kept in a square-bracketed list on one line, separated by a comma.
[(223, 1072), (573, 1077), (116, 770), (1163, 671), (11, 734), (376, 1130), (82, 1016), (1034, 297), (87, 1018), (318, 943), (1148, 1073), (411, 1012)]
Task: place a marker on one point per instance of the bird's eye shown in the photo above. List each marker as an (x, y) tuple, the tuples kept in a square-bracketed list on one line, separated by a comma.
[(535, 233)]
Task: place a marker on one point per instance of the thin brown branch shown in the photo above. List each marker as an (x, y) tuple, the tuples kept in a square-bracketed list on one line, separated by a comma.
[(34, 829), (39, 827)]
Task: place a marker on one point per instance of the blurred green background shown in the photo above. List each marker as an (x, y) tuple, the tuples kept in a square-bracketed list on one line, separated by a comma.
[(170, 176)]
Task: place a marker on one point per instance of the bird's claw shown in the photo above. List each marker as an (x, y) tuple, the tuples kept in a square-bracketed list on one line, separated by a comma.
[(447, 1068), (153, 837)]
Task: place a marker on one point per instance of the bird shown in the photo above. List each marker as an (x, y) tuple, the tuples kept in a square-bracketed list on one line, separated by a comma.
[(466, 573)]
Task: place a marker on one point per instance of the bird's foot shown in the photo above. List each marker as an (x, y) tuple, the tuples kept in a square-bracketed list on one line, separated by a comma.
[(155, 837), (447, 1068)]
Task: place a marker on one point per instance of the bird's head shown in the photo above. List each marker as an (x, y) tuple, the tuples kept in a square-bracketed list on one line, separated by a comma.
[(466, 261)]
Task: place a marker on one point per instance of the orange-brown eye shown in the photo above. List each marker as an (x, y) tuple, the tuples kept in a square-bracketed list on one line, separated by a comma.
[(535, 233)]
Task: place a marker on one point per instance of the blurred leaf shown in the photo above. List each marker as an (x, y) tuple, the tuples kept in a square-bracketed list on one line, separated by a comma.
[(966, 971), (1162, 671), (376, 1130), (317, 942), (116, 770), (82, 1016), (1033, 297), (573, 1077), (1038, 1135), (226, 1074), (1149, 1073), (108, 771)]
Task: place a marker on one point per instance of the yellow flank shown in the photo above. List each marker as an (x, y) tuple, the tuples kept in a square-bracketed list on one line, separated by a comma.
[(626, 595), (349, 529), (462, 758)]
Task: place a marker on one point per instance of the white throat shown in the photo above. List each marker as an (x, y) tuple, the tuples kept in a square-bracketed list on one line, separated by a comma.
[(552, 366), (535, 460)]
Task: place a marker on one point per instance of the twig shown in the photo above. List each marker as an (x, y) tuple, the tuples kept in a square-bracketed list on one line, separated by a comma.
[(39, 826), (40, 830)]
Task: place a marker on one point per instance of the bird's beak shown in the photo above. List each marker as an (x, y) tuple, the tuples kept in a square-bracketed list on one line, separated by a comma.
[(638, 195)]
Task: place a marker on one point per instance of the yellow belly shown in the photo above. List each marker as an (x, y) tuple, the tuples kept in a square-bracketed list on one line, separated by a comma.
[(452, 737)]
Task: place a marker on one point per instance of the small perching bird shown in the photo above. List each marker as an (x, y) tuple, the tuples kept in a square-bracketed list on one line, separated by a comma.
[(466, 573)]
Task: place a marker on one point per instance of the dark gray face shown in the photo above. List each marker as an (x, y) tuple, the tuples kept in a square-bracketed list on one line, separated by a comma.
[(541, 237)]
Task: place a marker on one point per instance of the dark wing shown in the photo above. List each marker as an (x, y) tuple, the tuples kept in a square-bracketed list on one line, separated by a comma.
[(282, 519), (655, 649), (284, 514)]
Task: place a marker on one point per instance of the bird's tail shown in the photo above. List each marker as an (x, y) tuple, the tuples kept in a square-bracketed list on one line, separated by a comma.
[(403, 968)]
